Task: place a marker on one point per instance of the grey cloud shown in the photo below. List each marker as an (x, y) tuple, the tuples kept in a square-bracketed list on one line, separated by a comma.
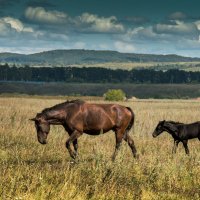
[(93, 23), (39, 14), (87, 23), (177, 16), (5, 29), (188, 30)]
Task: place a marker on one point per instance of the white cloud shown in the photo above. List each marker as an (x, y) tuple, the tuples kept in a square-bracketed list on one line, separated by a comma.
[(9, 25), (104, 46), (198, 24), (124, 47), (94, 23), (84, 23), (139, 34), (14, 23), (41, 15), (79, 45)]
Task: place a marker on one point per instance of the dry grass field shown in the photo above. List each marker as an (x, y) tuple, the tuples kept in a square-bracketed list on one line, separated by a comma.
[(187, 66), (31, 171)]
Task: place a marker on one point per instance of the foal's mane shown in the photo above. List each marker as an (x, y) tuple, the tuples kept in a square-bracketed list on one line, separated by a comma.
[(175, 123), (62, 105)]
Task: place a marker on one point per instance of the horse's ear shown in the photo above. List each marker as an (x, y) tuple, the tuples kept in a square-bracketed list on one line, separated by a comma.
[(162, 122), (33, 119)]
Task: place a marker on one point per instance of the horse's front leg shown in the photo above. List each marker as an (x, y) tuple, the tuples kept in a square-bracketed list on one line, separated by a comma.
[(75, 144), (176, 142), (73, 138), (186, 146)]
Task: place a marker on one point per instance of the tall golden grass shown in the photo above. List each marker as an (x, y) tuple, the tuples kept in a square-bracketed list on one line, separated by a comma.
[(31, 171)]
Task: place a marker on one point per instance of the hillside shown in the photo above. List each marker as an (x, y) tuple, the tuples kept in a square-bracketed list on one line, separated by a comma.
[(71, 57)]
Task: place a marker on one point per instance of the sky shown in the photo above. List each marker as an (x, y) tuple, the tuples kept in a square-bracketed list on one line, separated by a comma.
[(131, 26)]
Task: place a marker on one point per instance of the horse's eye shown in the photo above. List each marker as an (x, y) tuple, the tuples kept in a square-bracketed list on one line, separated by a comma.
[(158, 128), (37, 127)]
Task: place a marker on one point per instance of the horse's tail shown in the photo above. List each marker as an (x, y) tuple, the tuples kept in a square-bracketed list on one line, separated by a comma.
[(131, 123)]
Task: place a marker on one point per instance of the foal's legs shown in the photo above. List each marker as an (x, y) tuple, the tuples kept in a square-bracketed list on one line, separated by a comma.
[(73, 138), (186, 146), (119, 134), (75, 144), (175, 146), (130, 142)]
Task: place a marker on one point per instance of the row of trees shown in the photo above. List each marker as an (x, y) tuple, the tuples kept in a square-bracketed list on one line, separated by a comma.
[(95, 75)]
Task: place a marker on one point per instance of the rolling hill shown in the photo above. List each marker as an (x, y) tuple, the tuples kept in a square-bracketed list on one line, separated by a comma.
[(79, 56)]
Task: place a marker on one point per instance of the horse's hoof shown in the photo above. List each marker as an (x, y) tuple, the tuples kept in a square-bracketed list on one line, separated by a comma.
[(137, 156)]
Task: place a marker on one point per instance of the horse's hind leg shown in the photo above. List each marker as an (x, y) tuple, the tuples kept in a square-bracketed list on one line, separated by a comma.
[(131, 144), (186, 146), (73, 137), (119, 134)]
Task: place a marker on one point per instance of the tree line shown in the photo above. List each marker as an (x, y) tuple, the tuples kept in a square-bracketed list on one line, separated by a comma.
[(95, 75)]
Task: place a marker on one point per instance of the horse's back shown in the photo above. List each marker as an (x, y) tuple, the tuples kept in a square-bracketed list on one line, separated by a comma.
[(189, 131), (106, 116)]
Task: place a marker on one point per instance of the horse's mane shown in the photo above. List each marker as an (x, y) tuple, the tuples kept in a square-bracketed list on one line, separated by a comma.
[(173, 122), (63, 105)]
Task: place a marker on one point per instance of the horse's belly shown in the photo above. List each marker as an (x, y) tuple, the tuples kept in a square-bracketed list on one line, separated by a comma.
[(95, 132)]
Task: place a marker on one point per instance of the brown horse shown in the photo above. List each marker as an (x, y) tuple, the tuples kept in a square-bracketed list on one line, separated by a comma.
[(78, 117)]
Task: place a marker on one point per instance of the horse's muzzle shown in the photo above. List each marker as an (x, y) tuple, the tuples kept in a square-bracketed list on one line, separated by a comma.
[(42, 142), (154, 135), (42, 137)]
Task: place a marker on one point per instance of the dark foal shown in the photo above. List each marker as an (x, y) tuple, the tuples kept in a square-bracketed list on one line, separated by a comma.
[(78, 117), (179, 131)]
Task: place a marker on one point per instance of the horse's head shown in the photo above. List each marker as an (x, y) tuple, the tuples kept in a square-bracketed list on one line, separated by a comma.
[(159, 129), (42, 126)]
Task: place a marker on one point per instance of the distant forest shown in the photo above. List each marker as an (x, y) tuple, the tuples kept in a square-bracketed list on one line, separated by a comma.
[(95, 75)]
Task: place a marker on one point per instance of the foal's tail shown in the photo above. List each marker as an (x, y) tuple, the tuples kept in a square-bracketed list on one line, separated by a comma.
[(131, 123)]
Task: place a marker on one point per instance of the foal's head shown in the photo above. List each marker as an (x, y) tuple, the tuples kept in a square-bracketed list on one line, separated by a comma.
[(159, 129), (168, 126), (42, 127)]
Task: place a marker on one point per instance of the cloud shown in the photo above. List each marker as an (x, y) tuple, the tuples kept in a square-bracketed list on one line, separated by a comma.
[(103, 46), (79, 45), (5, 29), (93, 23), (177, 16), (198, 24), (39, 14), (89, 23), (188, 30), (9, 25), (139, 34), (124, 47), (14, 23), (170, 32)]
